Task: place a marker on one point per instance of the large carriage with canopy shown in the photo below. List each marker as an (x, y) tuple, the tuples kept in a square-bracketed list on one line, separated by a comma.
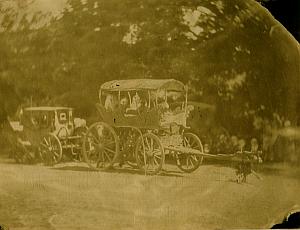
[(48, 133), (141, 122)]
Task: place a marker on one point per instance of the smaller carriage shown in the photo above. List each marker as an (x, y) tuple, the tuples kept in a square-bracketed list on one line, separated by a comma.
[(48, 133), (142, 121)]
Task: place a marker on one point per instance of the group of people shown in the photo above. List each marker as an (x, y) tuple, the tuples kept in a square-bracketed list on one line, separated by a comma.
[(233, 144), (244, 154), (126, 104), (133, 102)]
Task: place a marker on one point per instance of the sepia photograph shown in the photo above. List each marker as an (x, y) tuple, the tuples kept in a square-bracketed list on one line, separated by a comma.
[(149, 114)]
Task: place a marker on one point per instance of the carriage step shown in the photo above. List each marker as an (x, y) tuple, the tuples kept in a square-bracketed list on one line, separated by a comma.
[(24, 143), (71, 137)]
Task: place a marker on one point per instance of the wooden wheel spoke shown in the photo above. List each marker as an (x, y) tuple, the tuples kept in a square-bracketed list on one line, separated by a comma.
[(43, 145), (55, 154), (155, 161), (50, 142), (194, 158), (151, 145), (109, 150), (101, 156), (190, 159), (107, 155), (147, 143), (95, 139), (191, 141), (186, 142), (112, 142), (187, 162), (45, 140), (157, 157), (194, 145), (156, 151)]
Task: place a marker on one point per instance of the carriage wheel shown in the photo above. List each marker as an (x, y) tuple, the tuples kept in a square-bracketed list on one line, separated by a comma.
[(100, 146), (190, 162), (50, 149), (149, 154)]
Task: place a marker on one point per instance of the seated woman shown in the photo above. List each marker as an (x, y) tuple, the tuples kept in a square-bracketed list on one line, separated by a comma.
[(109, 102), (124, 104)]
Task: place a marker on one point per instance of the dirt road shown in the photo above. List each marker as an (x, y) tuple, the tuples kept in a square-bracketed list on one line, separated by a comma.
[(71, 197)]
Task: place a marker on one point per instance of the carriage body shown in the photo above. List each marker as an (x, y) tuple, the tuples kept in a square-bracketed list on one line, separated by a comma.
[(142, 117), (50, 132), (40, 121)]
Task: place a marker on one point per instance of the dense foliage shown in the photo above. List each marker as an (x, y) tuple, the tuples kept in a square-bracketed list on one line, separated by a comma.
[(231, 53)]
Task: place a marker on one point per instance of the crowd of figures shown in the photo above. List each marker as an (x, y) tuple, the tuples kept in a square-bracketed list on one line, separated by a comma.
[(276, 138), (245, 154), (281, 142)]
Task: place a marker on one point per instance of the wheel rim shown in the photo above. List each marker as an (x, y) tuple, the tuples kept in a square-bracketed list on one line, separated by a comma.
[(100, 146), (149, 154), (190, 162), (50, 149)]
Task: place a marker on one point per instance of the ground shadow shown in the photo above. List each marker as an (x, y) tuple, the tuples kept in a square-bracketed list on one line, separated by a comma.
[(73, 168), (124, 170), (164, 172)]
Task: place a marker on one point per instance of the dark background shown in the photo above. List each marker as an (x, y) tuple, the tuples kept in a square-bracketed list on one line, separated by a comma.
[(287, 12)]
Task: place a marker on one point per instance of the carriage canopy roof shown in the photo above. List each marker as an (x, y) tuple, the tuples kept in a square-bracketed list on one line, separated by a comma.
[(143, 84)]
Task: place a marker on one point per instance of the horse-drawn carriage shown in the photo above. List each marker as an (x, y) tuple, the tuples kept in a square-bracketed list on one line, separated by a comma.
[(141, 122), (48, 133)]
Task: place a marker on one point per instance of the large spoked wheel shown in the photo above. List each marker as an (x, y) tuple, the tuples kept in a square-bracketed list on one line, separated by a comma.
[(50, 149), (189, 162), (149, 154), (100, 146)]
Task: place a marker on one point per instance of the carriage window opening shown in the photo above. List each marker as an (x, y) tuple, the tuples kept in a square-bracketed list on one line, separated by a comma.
[(34, 120), (133, 103), (62, 116), (124, 101), (111, 100)]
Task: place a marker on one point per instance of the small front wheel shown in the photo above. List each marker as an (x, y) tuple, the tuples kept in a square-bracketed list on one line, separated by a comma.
[(189, 162), (149, 154), (50, 149)]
